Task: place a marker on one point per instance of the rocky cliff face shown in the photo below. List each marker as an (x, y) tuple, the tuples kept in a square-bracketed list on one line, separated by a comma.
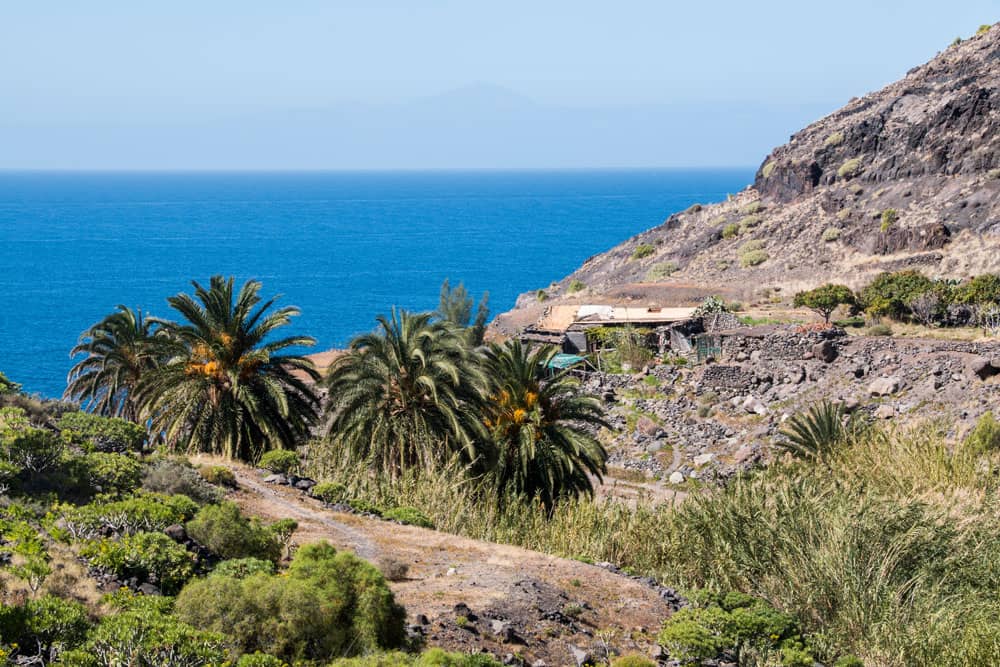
[(908, 176)]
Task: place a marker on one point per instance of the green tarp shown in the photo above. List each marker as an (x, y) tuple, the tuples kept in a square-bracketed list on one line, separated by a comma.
[(565, 360)]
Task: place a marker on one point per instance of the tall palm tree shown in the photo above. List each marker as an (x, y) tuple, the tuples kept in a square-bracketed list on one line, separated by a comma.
[(541, 427), (119, 350), (226, 388), (406, 396)]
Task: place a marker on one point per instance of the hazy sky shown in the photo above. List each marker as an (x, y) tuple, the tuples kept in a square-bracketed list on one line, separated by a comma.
[(380, 84)]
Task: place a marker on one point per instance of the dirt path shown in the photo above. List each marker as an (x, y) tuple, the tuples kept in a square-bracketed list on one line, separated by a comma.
[(515, 601)]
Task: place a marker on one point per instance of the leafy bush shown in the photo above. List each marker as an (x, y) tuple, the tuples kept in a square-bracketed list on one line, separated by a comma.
[(408, 515), (327, 605), (732, 622), (8, 386), (363, 506), (575, 286), (980, 290), (145, 634), (542, 295), (43, 627), (32, 450), (434, 657), (151, 557), (260, 660), (113, 473), (241, 568), (660, 270), (329, 492), (633, 660), (768, 169), (101, 434), (146, 512), (985, 437), (219, 476), (731, 230), (172, 477), (983, 29), (889, 218), (850, 168), (753, 207), (890, 293), (830, 234), (834, 139), (752, 253), (224, 531), (710, 305), (282, 461), (642, 251), (749, 222)]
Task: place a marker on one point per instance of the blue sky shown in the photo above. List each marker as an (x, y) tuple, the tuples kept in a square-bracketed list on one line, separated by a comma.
[(380, 84)]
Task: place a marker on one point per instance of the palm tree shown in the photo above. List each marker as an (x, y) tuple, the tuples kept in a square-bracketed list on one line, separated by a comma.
[(119, 350), (406, 396), (225, 387), (539, 425), (816, 433)]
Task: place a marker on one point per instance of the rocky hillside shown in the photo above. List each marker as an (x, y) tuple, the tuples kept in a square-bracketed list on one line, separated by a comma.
[(908, 176)]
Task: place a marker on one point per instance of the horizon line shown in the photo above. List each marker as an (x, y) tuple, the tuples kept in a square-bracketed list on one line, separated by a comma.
[(327, 170)]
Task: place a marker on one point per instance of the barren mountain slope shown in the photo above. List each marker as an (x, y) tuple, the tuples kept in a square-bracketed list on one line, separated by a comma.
[(908, 176)]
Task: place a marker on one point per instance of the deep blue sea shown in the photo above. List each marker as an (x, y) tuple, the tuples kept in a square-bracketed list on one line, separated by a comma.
[(342, 246)]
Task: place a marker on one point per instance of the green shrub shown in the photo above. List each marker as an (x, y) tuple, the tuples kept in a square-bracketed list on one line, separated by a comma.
[(7, 386), (327, 605), (224, 531), (113, 473), (985, 437), (172, 477), (710, 305), (42, 627), (834, 139), (219, 476), (145, 634), (753, 208), (693, 208), (889, 218), (147, 512), (575, 286), (983, 29), (850, 168), (660, 270), (879, 330), (408, 515), (980, 290), (633, 660), (817, 433), (260, 660), (150, 557), (542, 295), (329, 492), (749, 222), (718, 220), (33, 451), (434, 657), (730, 230), (830, 234), (101, 434), (768, 169), (642, 251), (281, 461), (363, 506), (241, 568), (891, 293), (752, 253)]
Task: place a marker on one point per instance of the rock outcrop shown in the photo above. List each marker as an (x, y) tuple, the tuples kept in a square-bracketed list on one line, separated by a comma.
[(905, 177)]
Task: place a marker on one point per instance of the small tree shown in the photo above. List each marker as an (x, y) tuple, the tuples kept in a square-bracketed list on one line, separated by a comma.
[(825, 299), (455, 307)]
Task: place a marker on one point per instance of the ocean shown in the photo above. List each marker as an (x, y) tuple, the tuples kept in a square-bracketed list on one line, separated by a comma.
[(343, 246)]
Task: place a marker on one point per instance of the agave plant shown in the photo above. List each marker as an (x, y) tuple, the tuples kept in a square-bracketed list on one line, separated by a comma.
[(227, 387), (815, 434), (541, 427), (406, 396), (118, 351)]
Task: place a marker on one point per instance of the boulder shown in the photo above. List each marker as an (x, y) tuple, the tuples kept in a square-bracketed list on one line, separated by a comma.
[(754, 406), (884, 386), (825, 351), (702, 459), (981, 367), (276, 478), (885, 412), (580, 656), (676, 477), (176, 532), (304, 484)]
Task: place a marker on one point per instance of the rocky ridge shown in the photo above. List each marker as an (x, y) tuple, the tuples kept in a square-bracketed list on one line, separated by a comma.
[(908, 176)]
